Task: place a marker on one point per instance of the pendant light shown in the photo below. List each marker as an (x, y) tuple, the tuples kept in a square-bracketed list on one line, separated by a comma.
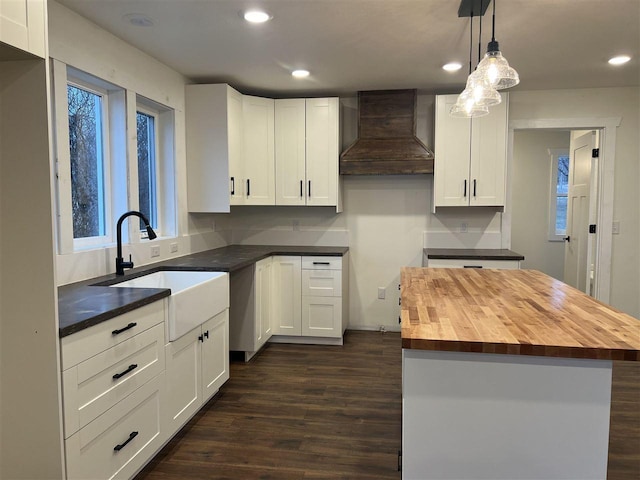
[(483, 92), (494, 67), (466, 106)]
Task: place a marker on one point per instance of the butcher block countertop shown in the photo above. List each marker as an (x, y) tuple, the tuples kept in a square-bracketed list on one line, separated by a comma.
[(517, 312)]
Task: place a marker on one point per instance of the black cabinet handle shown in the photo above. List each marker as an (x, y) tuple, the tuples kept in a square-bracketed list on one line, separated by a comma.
[(233, 186), (474, 187), (301, 182), (124, 329), (132, 435), (248, 187), (201, 338), (321, 263), (309, 192), (465, 189), (131, 368), (473, 266), (567, 238), (206, 334)]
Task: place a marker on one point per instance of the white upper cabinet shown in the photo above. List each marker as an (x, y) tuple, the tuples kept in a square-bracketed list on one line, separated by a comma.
[(215, 142), (307, 151), (471, 156), (22, 25), (258, 156)]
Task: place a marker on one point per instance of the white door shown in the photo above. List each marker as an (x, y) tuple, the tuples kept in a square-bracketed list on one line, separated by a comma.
[(322, 151), (286, 296), (259, 160), (263, 302), (577, 259), (215, 353), (290, 151), (236, 146)]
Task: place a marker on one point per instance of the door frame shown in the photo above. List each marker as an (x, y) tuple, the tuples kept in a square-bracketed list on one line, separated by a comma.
[(608, 130)]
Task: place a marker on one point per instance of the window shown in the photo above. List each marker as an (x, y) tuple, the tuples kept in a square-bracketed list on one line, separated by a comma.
[(99, 174), (89, 172), (147, 180), (559, 194)]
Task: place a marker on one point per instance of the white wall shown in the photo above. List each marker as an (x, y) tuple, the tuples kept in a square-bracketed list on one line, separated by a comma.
[(79, 43), (531, 178), (604, 103)]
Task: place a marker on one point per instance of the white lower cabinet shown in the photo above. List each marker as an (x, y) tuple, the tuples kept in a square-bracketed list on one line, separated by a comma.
[(473, 263), (197, 366), (310, 297), (120, 441)]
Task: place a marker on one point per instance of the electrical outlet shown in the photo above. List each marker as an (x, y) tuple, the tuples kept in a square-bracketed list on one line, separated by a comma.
[(173, 247), (296, 225), (615, 229), (155, 251), (464, 227), (381, 293)]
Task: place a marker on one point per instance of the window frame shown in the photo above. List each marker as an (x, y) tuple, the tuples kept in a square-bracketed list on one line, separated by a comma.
[(156, 219), (554, 154), (91, 242)]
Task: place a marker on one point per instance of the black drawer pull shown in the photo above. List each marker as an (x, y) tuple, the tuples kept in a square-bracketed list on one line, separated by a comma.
[(132, 435), (474, 187), (206, 334), (233, 186), (473, 266), (309, 192), (248, 187), (124, 329), (465, 189), (322, 263), (131, 368), (301, 194)]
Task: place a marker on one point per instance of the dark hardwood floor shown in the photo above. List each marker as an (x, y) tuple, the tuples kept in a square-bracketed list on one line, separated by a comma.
[(322, 412), (298, 412)]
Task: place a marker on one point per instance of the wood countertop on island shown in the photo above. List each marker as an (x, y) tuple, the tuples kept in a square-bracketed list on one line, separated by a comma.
[(517, 312)]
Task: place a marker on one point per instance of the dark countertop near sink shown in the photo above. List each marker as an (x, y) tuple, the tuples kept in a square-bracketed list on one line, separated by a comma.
[(472, 254), (87, 303)]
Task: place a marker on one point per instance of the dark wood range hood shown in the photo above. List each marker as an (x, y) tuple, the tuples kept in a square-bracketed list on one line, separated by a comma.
[(387, 142)]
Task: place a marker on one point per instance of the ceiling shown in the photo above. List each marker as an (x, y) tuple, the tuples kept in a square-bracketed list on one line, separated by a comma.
[(351, 45)]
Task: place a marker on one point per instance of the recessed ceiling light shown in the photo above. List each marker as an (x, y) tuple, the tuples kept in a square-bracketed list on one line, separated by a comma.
[(300, 73), (452, 67), (256, 16), (138, 20), (619, 60)]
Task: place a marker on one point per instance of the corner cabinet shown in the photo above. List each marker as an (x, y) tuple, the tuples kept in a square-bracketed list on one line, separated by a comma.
[(471, 156), (307, 152), (22, 25)]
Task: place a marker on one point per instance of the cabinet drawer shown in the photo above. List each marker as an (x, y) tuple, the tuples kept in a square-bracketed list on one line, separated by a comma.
[(322, 317), (322, 263), (120, 441), (82, 345), (322, 283), (460, 263), (97, 384)]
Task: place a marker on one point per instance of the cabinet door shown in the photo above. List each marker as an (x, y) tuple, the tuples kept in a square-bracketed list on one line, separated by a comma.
[(215, 354), (290, 151), (259, 159), (322, 151), (236, 146), (453, 149), (214, 147), (183, 372), (22, 25), (263, 302), (287, 306), (322, 316), (489, 156)]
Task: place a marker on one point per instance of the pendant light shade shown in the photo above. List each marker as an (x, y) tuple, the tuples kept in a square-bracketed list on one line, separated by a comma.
[(496, 69), (484, 94), (467, 107)]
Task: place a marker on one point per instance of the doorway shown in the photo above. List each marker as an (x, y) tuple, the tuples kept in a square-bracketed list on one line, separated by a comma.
[(599, 244)]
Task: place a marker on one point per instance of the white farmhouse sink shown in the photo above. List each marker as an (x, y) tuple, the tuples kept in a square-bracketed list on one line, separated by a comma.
[(195, 296)]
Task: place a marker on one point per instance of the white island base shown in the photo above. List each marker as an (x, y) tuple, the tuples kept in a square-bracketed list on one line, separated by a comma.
[(493, 416)]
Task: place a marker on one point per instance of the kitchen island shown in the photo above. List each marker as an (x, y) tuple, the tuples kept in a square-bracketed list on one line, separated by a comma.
[(507, 375)]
